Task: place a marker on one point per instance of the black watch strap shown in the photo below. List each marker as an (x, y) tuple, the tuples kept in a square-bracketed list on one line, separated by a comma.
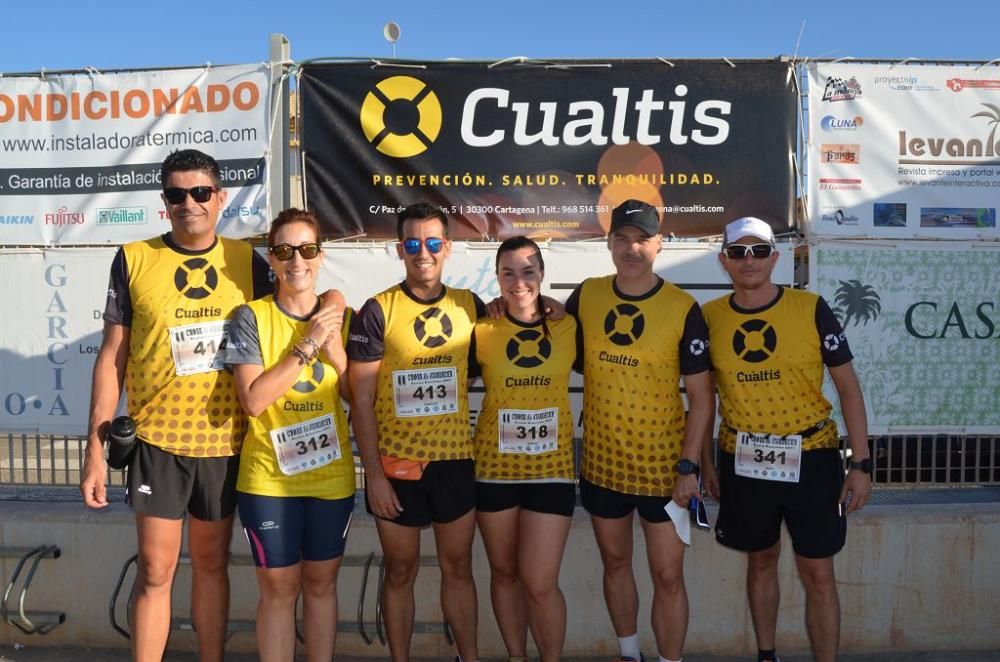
[(864, 465)]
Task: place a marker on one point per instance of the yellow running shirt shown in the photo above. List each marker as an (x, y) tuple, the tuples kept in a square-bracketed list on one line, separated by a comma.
[(177, 304), (300, 445), (421, 397), (525, 430), (635, 349), (768, 366)]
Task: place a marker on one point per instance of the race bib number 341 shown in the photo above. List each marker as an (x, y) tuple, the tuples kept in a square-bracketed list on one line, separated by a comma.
[(425, 392), (198, 347), (768, 456)]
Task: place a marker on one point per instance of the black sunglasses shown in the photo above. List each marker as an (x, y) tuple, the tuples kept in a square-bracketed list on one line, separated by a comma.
[(433, 244), (740, 251), (176, 195), (285, 252)]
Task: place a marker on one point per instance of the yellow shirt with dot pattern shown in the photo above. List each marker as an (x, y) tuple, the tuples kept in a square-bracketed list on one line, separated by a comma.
[(524, 369), (633, 414), (426, 336), (195, 415), (768, 369), (315, 393)]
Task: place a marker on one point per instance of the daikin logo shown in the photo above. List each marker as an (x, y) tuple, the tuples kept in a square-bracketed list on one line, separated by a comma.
[(16, 220), (833, 123), (402, 117)]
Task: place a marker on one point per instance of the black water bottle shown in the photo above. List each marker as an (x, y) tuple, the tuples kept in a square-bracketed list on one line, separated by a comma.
[(121, 442)]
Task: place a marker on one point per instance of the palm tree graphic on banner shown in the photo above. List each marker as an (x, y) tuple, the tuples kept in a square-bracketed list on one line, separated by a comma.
[(856, 301)]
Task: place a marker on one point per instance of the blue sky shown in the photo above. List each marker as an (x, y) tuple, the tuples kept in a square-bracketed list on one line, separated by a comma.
[(114, 34)]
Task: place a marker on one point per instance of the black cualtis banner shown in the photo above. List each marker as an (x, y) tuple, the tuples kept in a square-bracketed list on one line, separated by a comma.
[(550, 149)]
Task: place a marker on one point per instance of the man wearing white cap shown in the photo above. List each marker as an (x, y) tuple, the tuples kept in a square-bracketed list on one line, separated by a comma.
[(779, 455)]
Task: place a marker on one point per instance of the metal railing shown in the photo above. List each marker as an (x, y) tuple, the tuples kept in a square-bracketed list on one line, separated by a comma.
[(911, 460)]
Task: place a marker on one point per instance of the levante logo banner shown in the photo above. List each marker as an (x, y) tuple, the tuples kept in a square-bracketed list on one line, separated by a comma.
[(548, 149)]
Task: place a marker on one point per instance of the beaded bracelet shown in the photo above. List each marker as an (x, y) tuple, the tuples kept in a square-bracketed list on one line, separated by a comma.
[(302, 356)]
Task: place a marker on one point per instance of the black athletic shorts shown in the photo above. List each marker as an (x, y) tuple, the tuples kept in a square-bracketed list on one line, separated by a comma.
[(602, 502), (751, 510), (553, 498), (445, 492), (161, 484)]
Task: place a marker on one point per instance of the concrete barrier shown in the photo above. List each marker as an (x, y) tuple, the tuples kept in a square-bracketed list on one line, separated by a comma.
[(912, 578)]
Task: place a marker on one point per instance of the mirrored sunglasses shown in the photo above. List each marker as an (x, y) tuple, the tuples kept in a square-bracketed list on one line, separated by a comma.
[(285, 252), (176, 196), (433, 244), (740, 251)]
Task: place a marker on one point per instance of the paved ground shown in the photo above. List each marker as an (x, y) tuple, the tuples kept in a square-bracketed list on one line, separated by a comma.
[(42, 654)]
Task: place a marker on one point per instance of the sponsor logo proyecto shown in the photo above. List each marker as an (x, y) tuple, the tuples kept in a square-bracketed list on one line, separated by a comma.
[(840, 89), (903, 83)]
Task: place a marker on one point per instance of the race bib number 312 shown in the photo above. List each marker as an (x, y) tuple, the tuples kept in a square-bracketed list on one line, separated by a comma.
[(307, 445)]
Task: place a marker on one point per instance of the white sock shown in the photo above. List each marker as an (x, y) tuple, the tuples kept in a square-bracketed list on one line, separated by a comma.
[(629, 646), (663, 659)]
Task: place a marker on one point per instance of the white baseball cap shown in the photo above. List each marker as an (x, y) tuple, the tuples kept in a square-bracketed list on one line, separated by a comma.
[(748, 226)]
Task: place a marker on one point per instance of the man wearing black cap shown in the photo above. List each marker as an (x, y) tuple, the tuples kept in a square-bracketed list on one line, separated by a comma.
[(639, 336), (780, 458)]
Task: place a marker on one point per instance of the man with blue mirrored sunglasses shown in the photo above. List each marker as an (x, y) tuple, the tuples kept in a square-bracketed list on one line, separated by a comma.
[(409, 349)]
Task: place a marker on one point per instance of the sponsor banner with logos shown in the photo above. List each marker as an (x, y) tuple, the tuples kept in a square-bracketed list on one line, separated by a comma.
[(904, 151), (48, 347), (548, 150), (923, 322), (80, 153)]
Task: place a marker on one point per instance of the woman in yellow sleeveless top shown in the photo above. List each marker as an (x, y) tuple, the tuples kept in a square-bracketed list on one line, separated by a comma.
[(296, 481), (525, 489)]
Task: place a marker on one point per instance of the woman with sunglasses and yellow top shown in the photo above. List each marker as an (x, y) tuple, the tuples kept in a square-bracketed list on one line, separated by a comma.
[(296, 479), (525, 488)]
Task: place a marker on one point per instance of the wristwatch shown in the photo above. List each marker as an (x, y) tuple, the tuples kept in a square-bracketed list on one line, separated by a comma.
[(864, 465), (686, 467)]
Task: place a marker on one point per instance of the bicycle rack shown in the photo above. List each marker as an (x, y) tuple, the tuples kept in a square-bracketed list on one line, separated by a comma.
[(359, 625), (29, 622)]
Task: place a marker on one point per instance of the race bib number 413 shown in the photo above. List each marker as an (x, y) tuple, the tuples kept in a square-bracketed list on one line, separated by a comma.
[(425, 392), (769, 456)]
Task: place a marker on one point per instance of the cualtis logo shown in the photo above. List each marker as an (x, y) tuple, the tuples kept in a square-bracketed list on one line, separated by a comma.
[(401, 116), (624, 324), (755, 341), (196, 278), (432, 327), (311, 381), (528, 349)]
